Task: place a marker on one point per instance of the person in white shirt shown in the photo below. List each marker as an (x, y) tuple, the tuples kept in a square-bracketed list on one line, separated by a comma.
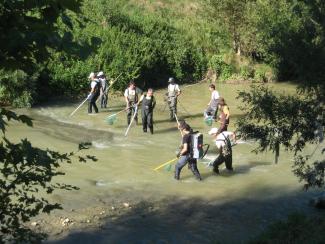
[(94, 93), (212, 108), (224, 146), (131, 96), (173, 92)]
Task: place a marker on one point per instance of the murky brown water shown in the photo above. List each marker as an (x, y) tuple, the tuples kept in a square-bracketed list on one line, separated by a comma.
[(126, 165)]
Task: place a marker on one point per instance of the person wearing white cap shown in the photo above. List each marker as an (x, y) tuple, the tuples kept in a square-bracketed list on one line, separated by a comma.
[(173, 92), (223, 143), (94, 93), (103, 89)]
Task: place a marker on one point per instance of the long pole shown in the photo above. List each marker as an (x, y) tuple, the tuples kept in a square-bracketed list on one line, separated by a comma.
[(114, 81), (135, 114), (183, 108), (78, 107), (116, 113), (162, 165)]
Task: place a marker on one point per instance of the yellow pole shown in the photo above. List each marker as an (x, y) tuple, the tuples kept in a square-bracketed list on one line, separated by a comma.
[(162, 165)]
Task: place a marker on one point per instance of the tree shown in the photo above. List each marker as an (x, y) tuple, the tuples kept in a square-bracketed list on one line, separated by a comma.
[(24, 172), (232, 14), (28, 32), (289, 121)]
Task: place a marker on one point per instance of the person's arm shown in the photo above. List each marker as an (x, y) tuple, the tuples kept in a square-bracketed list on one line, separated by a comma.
[(126, 98), (226, 111), (184, 149), (154, 103), (92, 90), (178, 91), (140, 100)]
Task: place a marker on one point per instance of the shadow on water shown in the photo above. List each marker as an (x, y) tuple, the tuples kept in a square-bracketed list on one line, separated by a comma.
[(240, 169), (69, 132), (174, 220)]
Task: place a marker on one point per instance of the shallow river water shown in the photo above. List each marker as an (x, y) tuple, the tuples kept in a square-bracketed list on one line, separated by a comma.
[(230, 207)]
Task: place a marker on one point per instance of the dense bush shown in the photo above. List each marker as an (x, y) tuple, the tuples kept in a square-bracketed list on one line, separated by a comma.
[(17, 88)]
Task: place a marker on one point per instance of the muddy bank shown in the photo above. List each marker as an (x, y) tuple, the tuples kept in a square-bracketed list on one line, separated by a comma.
[(171, 219)]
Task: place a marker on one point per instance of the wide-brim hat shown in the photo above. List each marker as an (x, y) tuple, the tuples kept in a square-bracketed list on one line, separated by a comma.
[(213, 131), (91, 75), (100, 73)]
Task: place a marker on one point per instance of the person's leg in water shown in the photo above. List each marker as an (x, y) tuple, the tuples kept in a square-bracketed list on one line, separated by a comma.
[(218, 161), (92, 103), (193, 166), (150, 121), (182, 161), (129, 113), (171, 114), (228, 162), (144, 115)]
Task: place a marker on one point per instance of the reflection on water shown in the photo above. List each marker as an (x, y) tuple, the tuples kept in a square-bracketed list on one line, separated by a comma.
[(126, 163)]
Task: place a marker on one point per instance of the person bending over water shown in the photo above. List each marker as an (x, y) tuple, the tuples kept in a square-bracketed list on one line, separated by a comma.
[(223, 143), (185, 155)]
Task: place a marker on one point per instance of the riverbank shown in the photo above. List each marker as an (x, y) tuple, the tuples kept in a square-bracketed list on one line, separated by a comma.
[(170, 220)]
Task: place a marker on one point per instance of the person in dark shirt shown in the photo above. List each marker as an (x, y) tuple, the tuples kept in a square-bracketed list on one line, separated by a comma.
[(185, 155), (148, 104)]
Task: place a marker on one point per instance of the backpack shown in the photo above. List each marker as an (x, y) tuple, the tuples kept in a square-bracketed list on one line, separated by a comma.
[(196, 147), (97, 87)]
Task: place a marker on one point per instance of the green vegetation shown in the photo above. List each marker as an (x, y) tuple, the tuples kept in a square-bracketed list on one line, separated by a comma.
[(24, 171), (149, 41)]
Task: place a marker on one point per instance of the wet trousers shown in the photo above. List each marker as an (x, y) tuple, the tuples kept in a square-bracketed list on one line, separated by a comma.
[(103, 100), (192, 164), (172, 104), (130, 112), (222, 159), (147, 120), (92, 103)]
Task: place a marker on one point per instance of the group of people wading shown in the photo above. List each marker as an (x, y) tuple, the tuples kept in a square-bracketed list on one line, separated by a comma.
[(217, 110)]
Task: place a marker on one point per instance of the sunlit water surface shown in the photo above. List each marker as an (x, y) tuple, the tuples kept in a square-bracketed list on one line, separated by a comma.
[(125, 164)]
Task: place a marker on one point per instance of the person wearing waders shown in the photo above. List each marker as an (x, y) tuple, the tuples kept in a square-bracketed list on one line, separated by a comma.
[(94, 93), (172, 94), (131, 96), (185, 155), (148, 104), (212, 108), (103, 89), (224, 146), (224, 115)]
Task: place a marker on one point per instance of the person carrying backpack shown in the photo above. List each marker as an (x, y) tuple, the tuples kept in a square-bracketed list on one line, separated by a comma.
[(185, 155)]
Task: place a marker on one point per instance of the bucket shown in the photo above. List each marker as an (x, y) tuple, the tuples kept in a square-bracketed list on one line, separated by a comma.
[(208, 120)]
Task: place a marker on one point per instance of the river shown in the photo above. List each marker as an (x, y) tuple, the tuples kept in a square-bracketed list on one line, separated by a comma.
[(230, 207)]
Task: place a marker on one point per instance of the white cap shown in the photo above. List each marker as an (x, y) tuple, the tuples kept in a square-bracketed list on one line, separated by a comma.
[(91, 75), (100, 73), (213, 131)]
